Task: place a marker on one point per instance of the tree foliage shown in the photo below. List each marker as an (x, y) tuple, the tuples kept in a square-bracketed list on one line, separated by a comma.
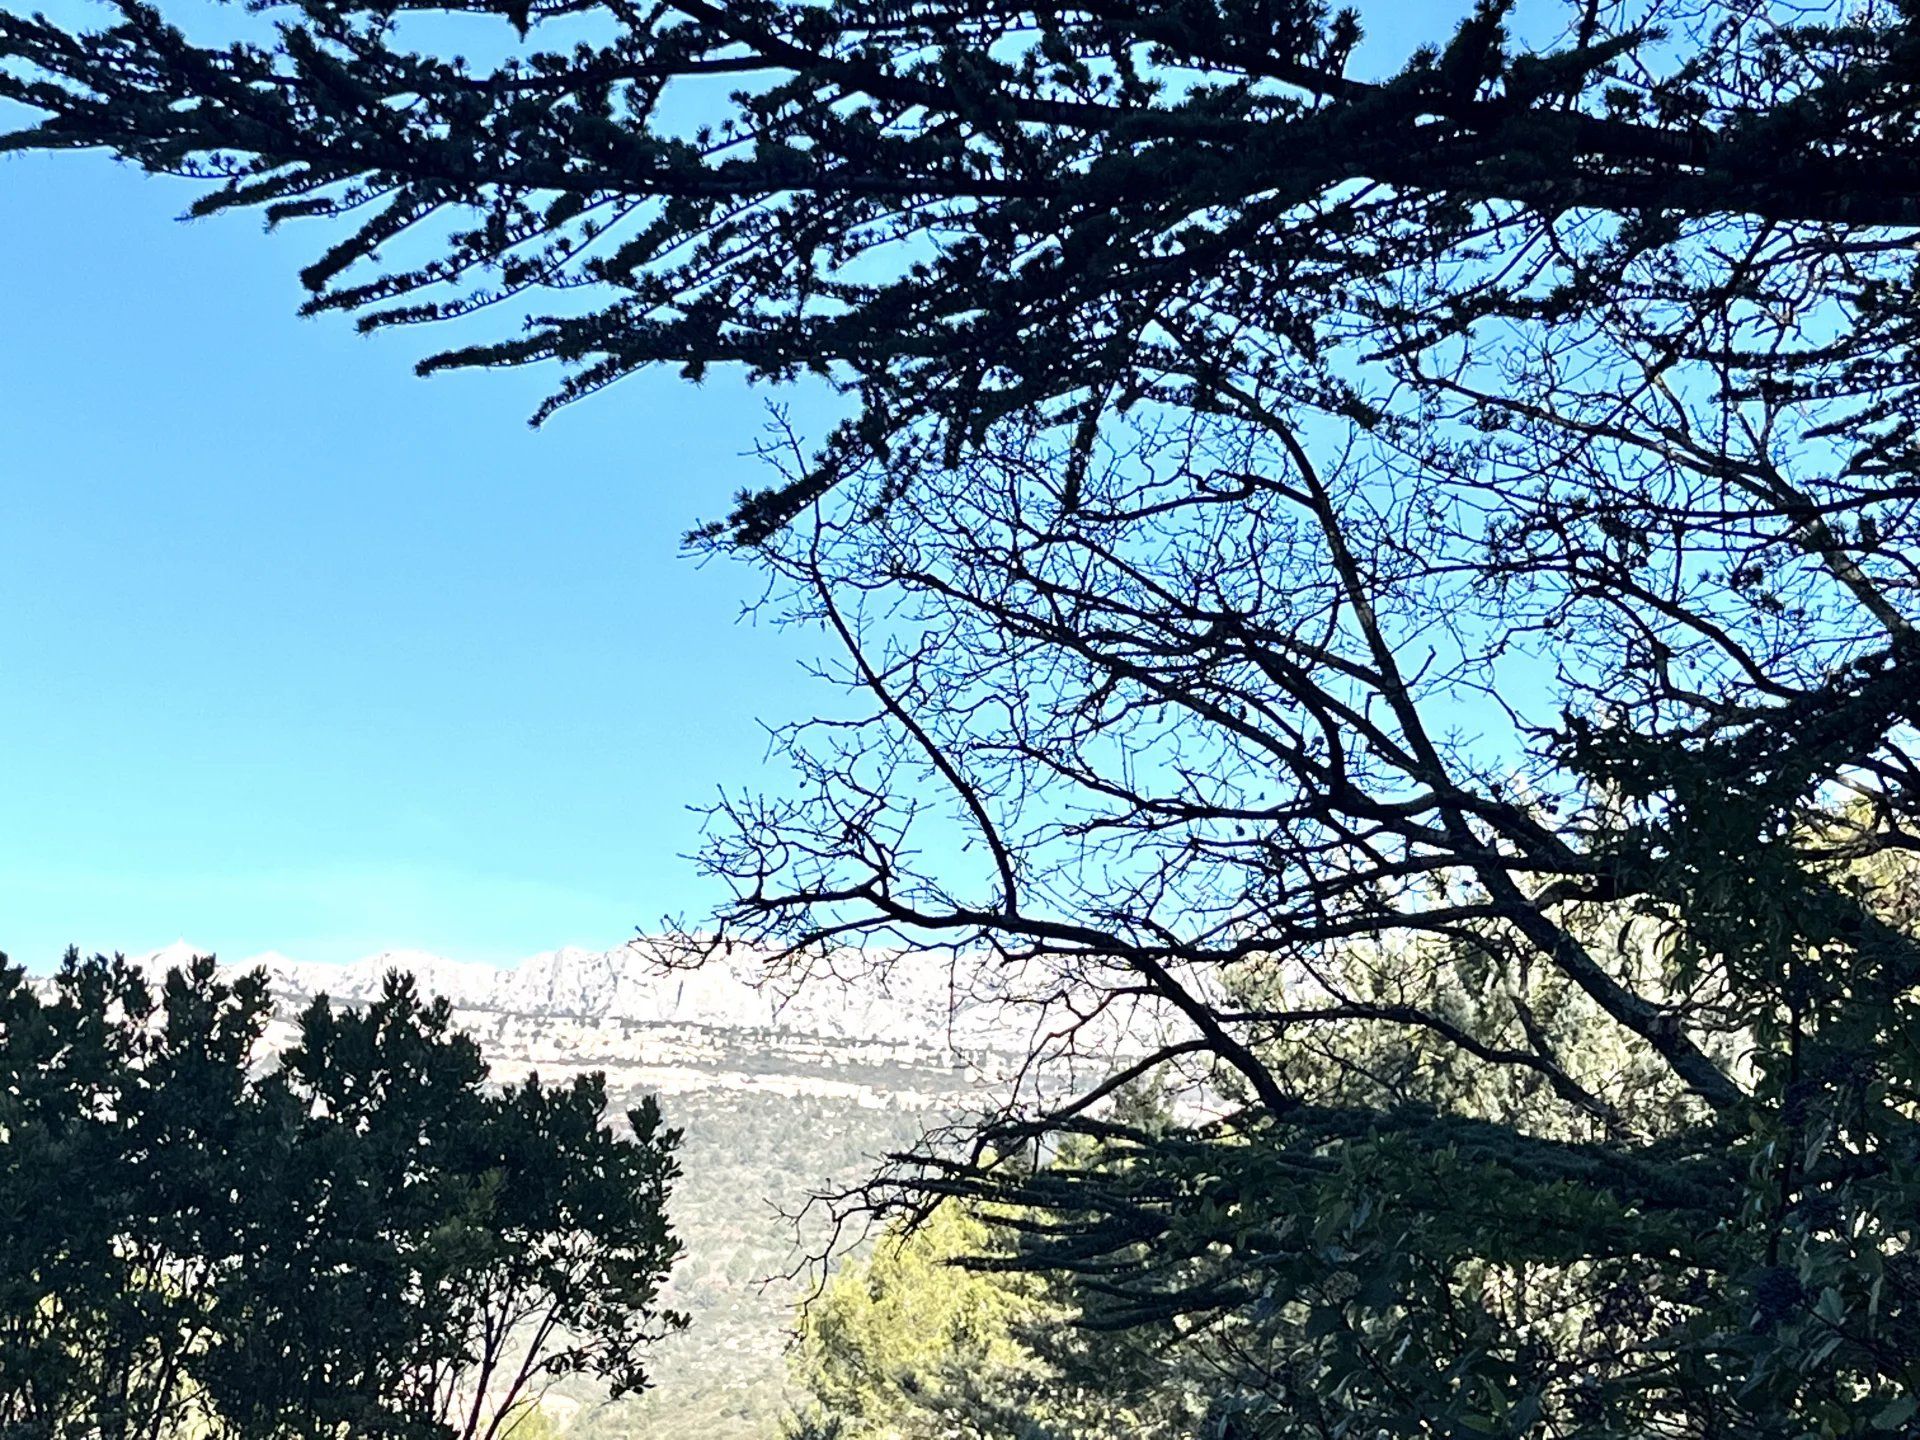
[(359, 1238), (909, 1344), (969, 211), (935, 1336), (1421, 1247), (1327, 544), (900, 1334)]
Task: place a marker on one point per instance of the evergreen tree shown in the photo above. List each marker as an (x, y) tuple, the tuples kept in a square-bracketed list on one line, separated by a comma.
[(964, 211), (1422, 1247), (1451, 513), (362, 1239)]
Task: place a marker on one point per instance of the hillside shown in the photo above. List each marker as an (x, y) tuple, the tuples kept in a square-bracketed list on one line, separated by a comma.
[(778, 1097)]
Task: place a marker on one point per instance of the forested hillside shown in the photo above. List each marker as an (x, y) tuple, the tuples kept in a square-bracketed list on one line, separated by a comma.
[(747, 1158), (775, 1104)]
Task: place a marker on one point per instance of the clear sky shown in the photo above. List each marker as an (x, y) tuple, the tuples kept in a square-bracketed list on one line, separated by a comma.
[(299, 652)]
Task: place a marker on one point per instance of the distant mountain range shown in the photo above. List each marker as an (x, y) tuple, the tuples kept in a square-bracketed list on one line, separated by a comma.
[(902, 1008), (781, 1093), (629, 983)]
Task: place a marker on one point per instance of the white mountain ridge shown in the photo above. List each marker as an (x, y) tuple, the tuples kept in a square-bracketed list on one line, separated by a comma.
[(905, 1002)]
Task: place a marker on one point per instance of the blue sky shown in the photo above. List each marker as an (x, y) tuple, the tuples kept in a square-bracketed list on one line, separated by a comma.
[(299, 652)]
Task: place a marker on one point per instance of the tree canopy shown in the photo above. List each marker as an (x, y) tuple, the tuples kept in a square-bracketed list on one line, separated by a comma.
[(1423, 1246), (966, 211), (355, 1238), (1339, 555)]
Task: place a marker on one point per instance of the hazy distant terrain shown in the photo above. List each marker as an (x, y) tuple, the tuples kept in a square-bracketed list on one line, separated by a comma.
[(777, 1099)]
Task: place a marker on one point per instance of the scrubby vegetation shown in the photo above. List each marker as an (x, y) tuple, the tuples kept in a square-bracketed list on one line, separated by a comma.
[(357, 1237)]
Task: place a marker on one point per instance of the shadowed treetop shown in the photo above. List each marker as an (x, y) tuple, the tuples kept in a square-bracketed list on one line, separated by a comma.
[(1491, 632), (962, 209)]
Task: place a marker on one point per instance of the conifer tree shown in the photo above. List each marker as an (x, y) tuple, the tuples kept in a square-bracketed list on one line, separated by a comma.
[(1304, 505)]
